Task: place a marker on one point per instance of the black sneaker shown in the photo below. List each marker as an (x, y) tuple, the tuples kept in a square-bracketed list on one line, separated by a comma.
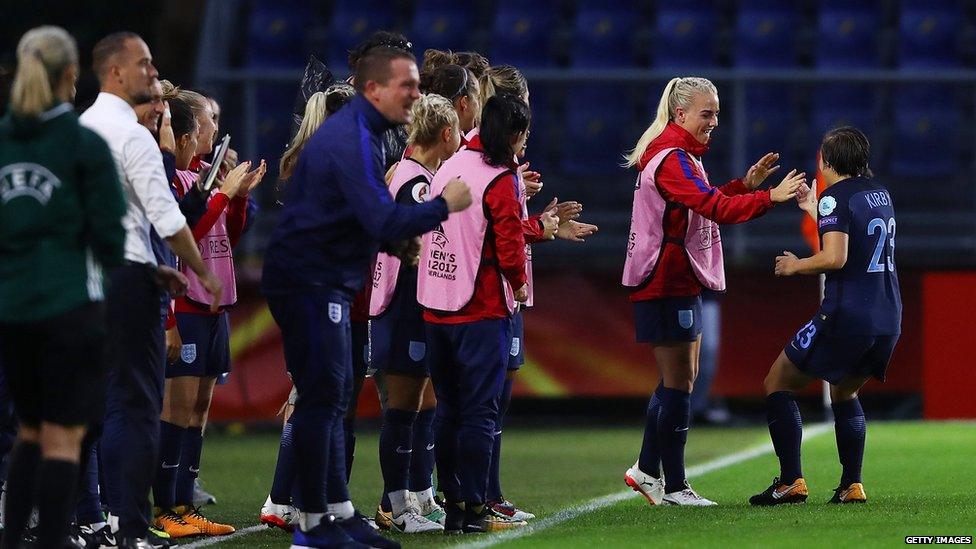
[(360, 530), (89, 538), (326, 533), (485, 520), (454, 518), (780, 492), (134, 543)]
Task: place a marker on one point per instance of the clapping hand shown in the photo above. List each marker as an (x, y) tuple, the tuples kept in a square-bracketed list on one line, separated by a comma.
[(532, 180), (761, 170)]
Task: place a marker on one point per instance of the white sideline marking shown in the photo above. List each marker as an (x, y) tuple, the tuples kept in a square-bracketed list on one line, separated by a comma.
[(572, 512), (610, 499), (215, 540)]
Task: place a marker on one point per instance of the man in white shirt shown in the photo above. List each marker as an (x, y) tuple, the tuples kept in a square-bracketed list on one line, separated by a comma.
[(135, 351)]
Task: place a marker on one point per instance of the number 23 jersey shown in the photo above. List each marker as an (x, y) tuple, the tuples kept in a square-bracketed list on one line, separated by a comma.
[(862, 298)]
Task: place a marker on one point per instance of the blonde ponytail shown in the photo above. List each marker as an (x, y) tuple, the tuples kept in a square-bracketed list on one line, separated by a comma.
[(42, 55), (679, 92), (315, 114)]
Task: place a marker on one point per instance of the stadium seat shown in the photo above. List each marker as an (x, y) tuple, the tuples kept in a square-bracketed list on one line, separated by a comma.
[(603, 36), (352, 22), (274, 106), (838, 104), (928, 35), (765, 36), (275, 36), (847, 38), (684, 36), (770, 121), (441, 24), (520, 35), (919, 148), (597, 128)]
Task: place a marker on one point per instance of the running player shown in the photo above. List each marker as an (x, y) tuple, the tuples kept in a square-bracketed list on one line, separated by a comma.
[(675, 250), (851, 337), (397, 340)]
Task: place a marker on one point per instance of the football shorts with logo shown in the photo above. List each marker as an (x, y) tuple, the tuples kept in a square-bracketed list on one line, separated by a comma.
[(668, 319), (206, 346)]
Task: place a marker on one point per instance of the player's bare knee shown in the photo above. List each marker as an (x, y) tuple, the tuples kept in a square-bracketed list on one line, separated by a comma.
[(61, 442)]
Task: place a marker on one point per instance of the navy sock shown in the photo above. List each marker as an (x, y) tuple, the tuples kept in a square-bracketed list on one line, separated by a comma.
[(284, 474), (786, 430), (170, 449), (422, 459), (189, 468), (21, 476), (396, 440), (673, 422), (349, 432), (850, 430), (89, 507), (494, 492), (650, 454), (57, 483)]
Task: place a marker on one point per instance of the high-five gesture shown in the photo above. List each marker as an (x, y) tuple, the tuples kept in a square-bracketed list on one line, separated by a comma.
[(761, 170), (789, 187)]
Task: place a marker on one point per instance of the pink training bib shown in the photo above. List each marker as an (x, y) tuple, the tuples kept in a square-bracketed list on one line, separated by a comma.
[(702, 242), (387, 269), (215, 249), (451, 253)]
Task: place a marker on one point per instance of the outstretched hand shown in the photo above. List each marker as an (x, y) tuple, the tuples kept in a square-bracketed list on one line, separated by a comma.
[(762, 169), (575, 231)]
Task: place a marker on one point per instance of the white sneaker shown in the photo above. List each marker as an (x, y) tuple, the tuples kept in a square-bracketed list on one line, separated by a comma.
[(687, 497), (651, 488), (412, 522), (279, 516), (429, 509)]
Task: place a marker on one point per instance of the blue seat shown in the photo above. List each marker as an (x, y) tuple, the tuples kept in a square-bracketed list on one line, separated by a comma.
[(765, 38), (276, 33), (918, 144), (520, 35), (684, 37), (603, 38), (844, 104), (596, 130), (927, 36), (274, 107), (352, 22), (770, 122), (441, 24), (847, 38)]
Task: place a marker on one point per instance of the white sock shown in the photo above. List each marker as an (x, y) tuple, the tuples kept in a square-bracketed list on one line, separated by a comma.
[(307, 521), (425, 497), (398, 501), (96, 526), (342, 510)]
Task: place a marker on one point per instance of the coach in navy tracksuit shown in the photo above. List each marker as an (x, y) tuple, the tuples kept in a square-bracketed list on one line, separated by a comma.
[(337, 213)]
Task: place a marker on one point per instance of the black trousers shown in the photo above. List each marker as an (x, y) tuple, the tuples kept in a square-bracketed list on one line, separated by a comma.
[(136, 358)]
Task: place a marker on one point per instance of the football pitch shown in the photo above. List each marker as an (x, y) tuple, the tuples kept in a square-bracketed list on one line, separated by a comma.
[(919, 478)]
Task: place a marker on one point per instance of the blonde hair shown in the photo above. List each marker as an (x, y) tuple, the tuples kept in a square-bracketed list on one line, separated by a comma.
[(502, 79), (679, 92), (42, 55), (430, 114), (315, 114)]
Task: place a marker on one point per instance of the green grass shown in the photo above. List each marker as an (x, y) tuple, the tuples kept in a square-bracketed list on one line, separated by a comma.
[(919, 478)]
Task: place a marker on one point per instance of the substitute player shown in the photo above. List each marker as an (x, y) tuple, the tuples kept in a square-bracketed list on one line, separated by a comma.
[(851, 338), (675, 250)]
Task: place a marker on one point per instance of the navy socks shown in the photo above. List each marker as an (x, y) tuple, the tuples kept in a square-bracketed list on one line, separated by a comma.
[(850, 430), (21, 475), (170, 449), (284, 474), (57, 484), (673, 422), (422, 459), (786, 430), (650, 454), (189, 468), (396, 447)]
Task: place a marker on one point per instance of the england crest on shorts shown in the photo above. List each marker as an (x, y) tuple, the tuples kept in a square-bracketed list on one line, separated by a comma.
[(335, 313), (516, 346), (686, 318), (188, 353)]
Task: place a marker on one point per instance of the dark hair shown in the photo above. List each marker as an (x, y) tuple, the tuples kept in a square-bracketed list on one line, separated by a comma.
[(503, 116), (473, 61), (182, 117), (336, 97), (378, 39), (450, 81), (375, 65), (107, 47), (846, 149)]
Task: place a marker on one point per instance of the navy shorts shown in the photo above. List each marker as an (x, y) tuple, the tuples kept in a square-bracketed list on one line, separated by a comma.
[(516, 354), (206, 346), (668, 319), (823, 354), (360, 348), (398, 344)]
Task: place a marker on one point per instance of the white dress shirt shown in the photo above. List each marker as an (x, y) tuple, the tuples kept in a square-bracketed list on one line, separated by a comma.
[(140, 165)]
